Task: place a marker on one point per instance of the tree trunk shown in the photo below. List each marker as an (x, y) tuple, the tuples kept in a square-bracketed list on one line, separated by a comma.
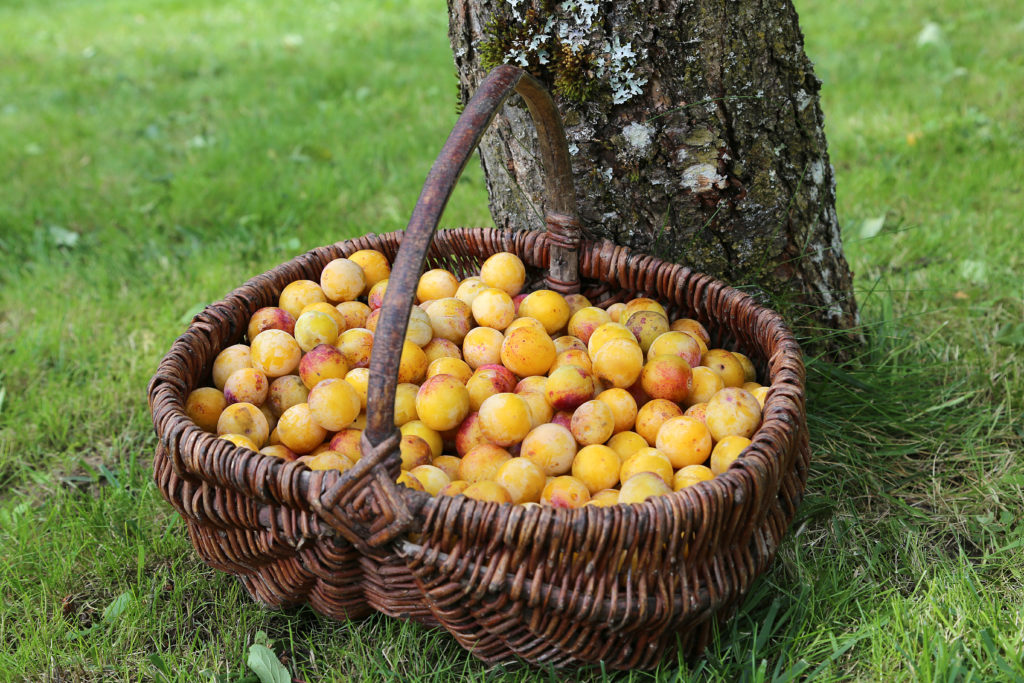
[(695, 132)]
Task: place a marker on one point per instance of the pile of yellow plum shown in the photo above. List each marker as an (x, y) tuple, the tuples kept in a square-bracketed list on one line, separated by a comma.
[(504, 396)]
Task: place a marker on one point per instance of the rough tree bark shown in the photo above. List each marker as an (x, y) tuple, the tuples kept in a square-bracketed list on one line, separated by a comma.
[(695, 129)]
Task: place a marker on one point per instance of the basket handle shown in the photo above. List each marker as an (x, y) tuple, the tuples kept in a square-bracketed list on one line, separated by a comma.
[(380, 438)]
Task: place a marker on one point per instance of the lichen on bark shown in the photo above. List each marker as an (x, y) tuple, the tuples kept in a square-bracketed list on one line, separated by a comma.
[(720, 162)]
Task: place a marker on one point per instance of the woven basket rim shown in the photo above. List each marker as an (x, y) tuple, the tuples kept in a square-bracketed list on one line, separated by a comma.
[(732, 485)]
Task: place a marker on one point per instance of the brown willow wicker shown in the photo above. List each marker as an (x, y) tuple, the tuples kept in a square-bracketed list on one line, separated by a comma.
[(621, 585)]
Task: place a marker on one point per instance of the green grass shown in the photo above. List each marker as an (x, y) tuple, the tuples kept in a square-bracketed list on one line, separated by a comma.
[(157, 155)]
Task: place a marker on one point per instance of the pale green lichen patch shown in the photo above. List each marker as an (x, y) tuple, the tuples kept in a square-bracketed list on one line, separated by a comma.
[(563, 43)]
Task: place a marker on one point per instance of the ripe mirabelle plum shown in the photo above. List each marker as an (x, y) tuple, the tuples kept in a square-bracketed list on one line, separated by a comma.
[(204, 406), (279, 451), (642, 486), (456, 488), (690, 325), (275, 353), (619, 361), (643, 304), (605, 498), (647, 326), (647, 460), (749, 372), (334, 404), (676, 344), (374, 264), (565, 492), (322, 362), (442, 402), (412, 366), (615, 312), (433, 478), (359, 378), (623, 407), (448, 464), (726, 451), (761, 394), (298, 430), (325, 446), (732, 412), (690, 475), (487, 492), (313, 328), (482, 463), (240, 440), (604, 334), (597, 467), (668, 377), (522, 479), (375, 297), (356, 345), (354, 313), (482, 346), (541, 411), (329, 460), (685, 440), (505, 419), (488, 380), (348, 442), (436, 284), (299, 294), (577, 302), (726, 365), (652, 415), (569, 387), (470, 434), (626, 444), (527, 351), (706, 383), (551, 448), (247, 420), (534, 384), (583, 323), (547, 307), (417, 330), (342, 280), (247, 385), (414, 452), (593, 423), (230, 359), (409, 481), (329, 310), (577, 357), (285, 392), (441, 348), (468, 289), (450, 319), (696, 411), (493, 308), (455, 367), (270, 318), (417, 428), (405, 403), (504, 271), (568, 342)]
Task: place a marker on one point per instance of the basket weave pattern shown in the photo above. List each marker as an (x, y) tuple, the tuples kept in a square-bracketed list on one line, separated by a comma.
[(623, 584)]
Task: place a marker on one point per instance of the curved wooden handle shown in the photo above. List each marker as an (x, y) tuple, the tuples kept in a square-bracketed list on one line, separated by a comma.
[(444, 174)]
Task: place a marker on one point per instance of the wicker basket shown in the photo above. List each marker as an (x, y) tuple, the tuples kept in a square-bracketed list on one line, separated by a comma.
[(621, 585)]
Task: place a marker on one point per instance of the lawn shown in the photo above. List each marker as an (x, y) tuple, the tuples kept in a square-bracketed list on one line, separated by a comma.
[(157, 154)]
